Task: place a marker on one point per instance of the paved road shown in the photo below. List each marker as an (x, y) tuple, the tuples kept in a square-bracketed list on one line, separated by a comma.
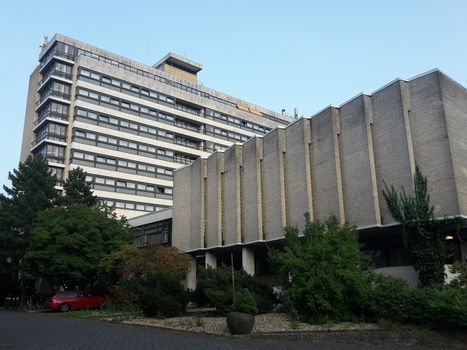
[(30, 331)]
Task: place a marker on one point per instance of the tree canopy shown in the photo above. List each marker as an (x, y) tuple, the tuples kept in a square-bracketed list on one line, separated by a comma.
[(77, 190), (32, 190), (68, 243)]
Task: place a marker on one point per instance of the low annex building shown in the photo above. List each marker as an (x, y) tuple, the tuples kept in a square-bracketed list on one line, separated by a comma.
[(334, 163)]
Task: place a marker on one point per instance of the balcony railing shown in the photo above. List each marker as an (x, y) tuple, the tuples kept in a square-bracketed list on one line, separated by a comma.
[(49, 136), (53, 93), (51, 55), (56, 73), (51, 114)]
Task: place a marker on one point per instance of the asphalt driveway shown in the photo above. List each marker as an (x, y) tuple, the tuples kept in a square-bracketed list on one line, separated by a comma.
[(50, 331)]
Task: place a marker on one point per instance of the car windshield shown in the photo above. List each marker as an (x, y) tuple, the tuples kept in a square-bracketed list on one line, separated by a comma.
[(67, 295)]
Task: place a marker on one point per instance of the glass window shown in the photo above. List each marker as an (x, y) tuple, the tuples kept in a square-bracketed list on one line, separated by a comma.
[(100, 180), (79, 133), (111, 161), (93, 95), (139, 207), (78, 155), (132, 145), (130, 206), (105, 98), (121, 183), (110, 182), (100, 159), (119, 205), (112, 141), (89, 157)]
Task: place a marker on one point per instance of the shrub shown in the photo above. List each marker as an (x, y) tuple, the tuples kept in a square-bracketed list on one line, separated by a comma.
[(162, 295), (392, 299), (244, 302), (322, 272), (215, 288)]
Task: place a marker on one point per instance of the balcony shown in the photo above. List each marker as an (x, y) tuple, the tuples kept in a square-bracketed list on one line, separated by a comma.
[(62, 97), (56, 116), (62, 56), (55, 138), (54, 73)]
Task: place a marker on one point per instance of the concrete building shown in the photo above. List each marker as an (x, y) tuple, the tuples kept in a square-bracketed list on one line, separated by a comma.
[(129, 125), (334, 163)]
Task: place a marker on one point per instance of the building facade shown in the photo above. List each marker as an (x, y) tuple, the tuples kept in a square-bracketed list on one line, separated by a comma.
[(334, 163), (129, 125)]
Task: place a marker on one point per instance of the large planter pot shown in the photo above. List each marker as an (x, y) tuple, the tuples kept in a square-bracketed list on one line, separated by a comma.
[(240, 323)]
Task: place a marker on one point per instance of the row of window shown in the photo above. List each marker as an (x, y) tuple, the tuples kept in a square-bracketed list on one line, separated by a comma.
[(123, 123), (158, 96), (123, 143), (128, 184), (169, 82), (131, 205), (138, 108), (126, 86), (122, 163)]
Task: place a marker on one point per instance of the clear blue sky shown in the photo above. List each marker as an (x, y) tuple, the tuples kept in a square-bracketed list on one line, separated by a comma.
[(277, 54)]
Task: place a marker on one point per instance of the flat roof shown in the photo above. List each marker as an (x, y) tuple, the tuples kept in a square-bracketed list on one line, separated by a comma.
[(181, 62)]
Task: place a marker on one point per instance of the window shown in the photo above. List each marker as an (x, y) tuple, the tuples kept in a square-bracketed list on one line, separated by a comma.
[(106, 80), (120, 205), (121, 183), (78, 155), (139, 207), (79, 133), (110, 182), (100, 159), (129, 206), (89, 157), (111, 161), (99, 180), (105, 98)]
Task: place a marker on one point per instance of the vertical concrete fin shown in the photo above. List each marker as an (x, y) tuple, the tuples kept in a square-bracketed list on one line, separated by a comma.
[(281, 150), (220, 170), (260, 155), (368, 111), (405, 98), (336, 132), (238, 192), (308, 165), (202, 202)]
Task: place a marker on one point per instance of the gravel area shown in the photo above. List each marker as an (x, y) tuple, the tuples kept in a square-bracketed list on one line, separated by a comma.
[(265, 323)]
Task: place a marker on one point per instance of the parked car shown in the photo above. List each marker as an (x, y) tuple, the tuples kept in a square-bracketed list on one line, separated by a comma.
[(74, 300)]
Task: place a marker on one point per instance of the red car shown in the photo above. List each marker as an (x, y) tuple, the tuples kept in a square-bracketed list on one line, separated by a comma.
[(75, 300)]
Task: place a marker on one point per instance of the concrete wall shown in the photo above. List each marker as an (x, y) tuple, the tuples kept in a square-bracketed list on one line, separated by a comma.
[(181, 224), (30, 114), (215, 168), (454, 98), (336, 164), (252, 207)]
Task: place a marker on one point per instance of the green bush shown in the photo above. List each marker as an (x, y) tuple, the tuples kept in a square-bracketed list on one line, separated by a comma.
[(244, 302), (162, 295), (215, 288), (322, 272), (392, 299)]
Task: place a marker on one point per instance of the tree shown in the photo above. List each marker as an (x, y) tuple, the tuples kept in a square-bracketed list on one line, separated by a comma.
[(68, 243), (32, 190), (323, 271), (422, 233), (77, 190)]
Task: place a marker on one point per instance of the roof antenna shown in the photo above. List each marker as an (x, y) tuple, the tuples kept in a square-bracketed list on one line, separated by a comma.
[(44, 42)]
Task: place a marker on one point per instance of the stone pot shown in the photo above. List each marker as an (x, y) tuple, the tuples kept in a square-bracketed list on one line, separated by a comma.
[(240, 323)]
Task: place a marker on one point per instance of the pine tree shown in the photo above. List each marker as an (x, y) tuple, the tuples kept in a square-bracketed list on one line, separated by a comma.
[(77, 190), (32, 190)]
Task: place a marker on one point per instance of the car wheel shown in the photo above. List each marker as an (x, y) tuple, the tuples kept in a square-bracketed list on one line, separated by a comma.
[(64, 307)]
